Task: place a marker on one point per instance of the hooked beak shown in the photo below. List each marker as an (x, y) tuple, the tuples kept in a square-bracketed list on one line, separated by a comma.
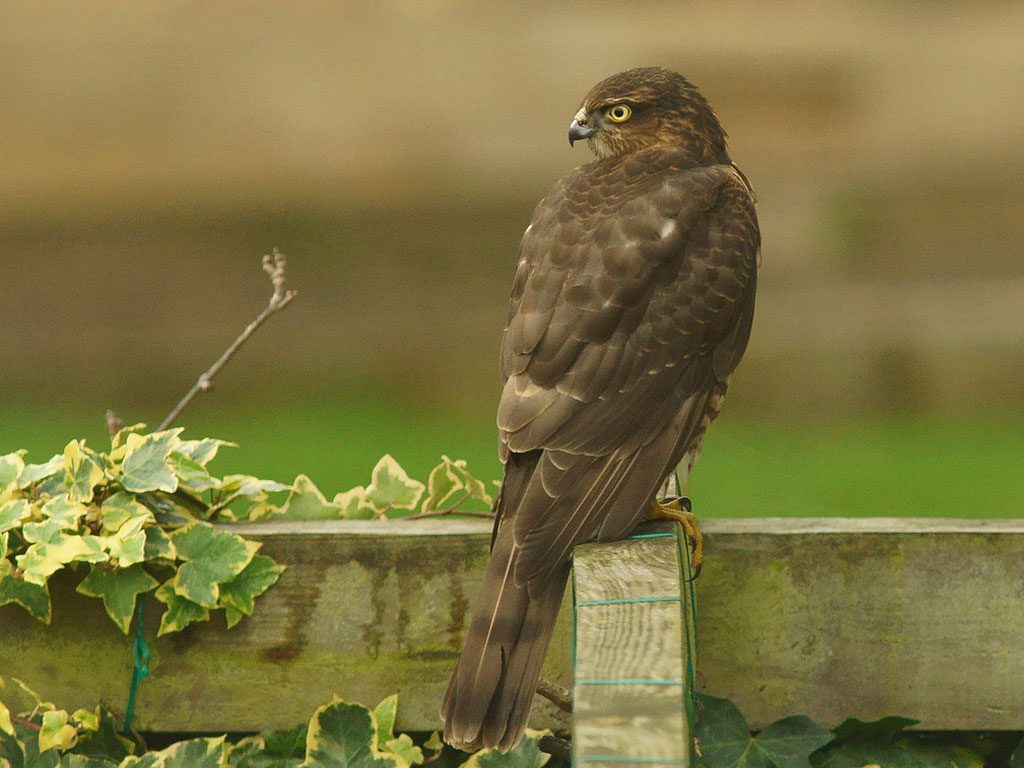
[(578, 128)]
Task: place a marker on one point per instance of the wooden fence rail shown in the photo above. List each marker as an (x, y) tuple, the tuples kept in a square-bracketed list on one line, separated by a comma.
[(830, 618)]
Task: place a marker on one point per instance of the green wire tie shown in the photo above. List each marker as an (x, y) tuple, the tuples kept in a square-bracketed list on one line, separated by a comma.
[(140, 661)]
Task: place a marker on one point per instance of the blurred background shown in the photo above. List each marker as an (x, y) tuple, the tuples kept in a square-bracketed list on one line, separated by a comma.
[(152, 152)]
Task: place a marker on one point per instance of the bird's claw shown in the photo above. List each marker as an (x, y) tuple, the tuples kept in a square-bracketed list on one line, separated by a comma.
[(679, 510)]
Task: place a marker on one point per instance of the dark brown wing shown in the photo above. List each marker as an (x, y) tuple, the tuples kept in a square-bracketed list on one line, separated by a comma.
[(633, 296)]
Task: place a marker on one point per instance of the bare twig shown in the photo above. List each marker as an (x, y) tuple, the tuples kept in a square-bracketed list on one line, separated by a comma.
[(557, 694), (274, 266), (26, 723), (556, 747), (114, 423)]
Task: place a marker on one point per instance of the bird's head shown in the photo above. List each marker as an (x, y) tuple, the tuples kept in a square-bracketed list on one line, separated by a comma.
[(648, 107)]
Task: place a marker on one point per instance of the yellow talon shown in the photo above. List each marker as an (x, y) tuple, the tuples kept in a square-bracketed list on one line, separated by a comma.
[(676, 512)]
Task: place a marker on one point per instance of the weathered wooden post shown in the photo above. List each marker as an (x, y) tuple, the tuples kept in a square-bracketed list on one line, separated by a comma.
[(634, 650)]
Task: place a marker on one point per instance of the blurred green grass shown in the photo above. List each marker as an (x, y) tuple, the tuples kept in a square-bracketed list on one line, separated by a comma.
[(956, 466)]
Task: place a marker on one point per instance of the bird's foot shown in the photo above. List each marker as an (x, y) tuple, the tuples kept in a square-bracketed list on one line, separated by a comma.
[(679, 510)]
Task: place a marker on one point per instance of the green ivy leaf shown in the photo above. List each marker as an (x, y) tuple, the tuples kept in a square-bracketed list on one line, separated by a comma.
[(56, 732), (1017, 758), (118, 589), (33, 473), (344, 736), (147, 465), (81, 473), (306, 502), (391, 488), (724, 737), (11, 753), (789, 742), (725, 740), (526, 754), (256, 578), (180, 611), (27, 740), (882, 730), (82, 761), (13, 512), (194, 753), (212, 556), (34, 598)]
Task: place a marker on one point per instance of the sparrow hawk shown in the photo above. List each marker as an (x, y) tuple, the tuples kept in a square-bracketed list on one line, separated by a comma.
[(631, 307)]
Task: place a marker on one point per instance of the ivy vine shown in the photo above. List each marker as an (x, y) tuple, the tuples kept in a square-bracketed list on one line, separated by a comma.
[(140, 518)]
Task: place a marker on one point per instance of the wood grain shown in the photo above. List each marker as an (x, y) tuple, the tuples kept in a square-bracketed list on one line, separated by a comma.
[(829, 617), (632, 688)]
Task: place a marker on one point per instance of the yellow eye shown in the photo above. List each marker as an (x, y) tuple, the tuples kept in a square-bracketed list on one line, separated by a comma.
[(619, 113)]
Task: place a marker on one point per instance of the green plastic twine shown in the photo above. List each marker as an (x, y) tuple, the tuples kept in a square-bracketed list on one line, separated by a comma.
[(140, 659)]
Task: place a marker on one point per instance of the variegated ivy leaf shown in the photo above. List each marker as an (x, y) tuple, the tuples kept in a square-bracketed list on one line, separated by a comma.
[(159, 544), (180, 610), (391, 488), (240, 593), (13, 512), (81, 472), (5, 719), (353, 504), (401, 748), (46, 532), (147, 465), (443, 486), (194, 753), (306, 502), (33, 473), (527, 754), (56, 732), (121, 438), (121, 507), (202, 451), (64, 512), (11, 467), (475, 487), (212, 556), (32, 597), (118, 589), (89, 720), (40, 561), (344, 735), (3, 543), (192, 475), (252, 487), (127, 545)]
